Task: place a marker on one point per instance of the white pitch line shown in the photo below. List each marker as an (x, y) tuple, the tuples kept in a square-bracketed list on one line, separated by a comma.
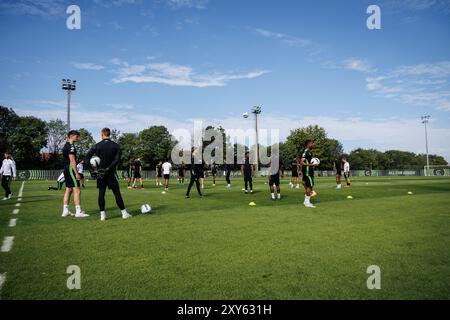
[(21, 189), (18, 204), (7, 244), (20, 199), (2, 280), (12, 223), (16, 211)]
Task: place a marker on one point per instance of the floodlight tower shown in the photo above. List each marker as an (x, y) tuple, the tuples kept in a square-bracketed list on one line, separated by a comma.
[(256, 111), (69, 86), (425, 120)]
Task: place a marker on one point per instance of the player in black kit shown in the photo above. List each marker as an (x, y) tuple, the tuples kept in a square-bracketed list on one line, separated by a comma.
[(308, 173), (109, 153), (196, 171), (247, 173)]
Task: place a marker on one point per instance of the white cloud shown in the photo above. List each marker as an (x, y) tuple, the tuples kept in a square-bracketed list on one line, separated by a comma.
[(88, 66), (179, 4), (382, 134), (418, 85), (42, 8), (441, 6), (176, 75), (358, 65), (284, 38)]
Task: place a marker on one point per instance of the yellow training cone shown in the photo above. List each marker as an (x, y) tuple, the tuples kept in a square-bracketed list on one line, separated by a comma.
[(252, 204), (409, 192), (349, 197)]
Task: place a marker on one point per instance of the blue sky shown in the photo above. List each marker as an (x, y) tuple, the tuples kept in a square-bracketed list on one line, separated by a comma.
[(141, 63)]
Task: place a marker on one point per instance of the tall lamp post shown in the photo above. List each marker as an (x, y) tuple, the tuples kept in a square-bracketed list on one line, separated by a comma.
[(256, 111), (69, 86), (425, 120)]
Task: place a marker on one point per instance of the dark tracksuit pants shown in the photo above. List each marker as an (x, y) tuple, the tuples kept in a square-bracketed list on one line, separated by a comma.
[(248, 181), (6, 184), (195, 178), (227, 177)]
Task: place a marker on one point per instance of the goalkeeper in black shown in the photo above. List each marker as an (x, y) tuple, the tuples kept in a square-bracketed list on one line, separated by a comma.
[(196, 170), (109, 154)]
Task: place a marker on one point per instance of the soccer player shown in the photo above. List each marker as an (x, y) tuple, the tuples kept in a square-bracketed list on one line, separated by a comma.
[(202, 175), (159, 174), (195, 170), (274, 181), (80, 169), (167, 168), (227, 169), (308, 173), (295, 180), (137, 174), (8, 173), (72, 177), (109, 153), (338, 168), (181, 173), (59, 183), (247, 173), (130, 169), (346, 172), (214, 173)]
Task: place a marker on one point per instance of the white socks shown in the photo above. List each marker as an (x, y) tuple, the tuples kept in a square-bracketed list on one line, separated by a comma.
[(124, 211), (66, 208), (78, 209), (279, 196), (273, 196), (307, 199)]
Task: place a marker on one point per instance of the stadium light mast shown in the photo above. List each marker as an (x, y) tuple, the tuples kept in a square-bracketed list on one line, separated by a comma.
[(425, 120), (69, 86), (256, 111)]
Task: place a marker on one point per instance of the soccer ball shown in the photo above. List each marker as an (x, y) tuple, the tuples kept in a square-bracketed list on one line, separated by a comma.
[(315, 161), (95, 162), (245, 115), (146, 208)]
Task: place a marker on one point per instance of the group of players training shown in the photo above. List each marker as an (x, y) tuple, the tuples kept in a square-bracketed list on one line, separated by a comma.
[(107, 177)]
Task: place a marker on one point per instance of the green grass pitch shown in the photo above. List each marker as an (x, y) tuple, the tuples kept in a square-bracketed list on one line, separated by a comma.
[(221, 248)]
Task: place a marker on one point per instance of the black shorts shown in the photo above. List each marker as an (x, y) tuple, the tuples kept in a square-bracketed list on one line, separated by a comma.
[(70, 179), (202, 175), (181, 174), (339, 172), (274, 180), (309, 181), (110, 181), (130, 174), (81, 175), (295, 174), (137, 175), (159, 175), (347, 174), (167, 176)]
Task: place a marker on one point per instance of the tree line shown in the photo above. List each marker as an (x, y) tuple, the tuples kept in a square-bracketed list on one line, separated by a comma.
[(37, 144)]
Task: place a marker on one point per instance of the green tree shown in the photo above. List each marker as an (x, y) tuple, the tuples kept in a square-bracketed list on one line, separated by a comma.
[(155, 144), (9, 121), (129, 144), (85, 143), (26, 141)]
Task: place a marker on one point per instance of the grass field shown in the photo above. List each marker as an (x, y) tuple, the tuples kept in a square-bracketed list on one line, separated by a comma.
[(220, 248)]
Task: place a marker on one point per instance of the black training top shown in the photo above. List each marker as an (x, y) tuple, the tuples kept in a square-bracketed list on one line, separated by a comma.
[(338, 165), (247, 167), (69, 148), (307, 170), (294, 165), (137, 166), (109, 153)]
